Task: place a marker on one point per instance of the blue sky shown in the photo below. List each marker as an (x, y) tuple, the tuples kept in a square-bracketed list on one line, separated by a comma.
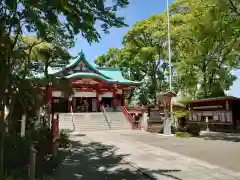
[(137, 10), (235, 89)]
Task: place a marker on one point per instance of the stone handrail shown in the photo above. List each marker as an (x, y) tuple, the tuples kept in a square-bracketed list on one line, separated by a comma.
[(106, 116), (72, 118)]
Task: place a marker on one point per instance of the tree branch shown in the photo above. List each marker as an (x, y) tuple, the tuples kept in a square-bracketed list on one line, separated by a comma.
[(233, 7)]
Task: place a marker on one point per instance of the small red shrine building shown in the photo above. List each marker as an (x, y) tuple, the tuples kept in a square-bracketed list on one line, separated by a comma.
[(92, 87), (223, 113)]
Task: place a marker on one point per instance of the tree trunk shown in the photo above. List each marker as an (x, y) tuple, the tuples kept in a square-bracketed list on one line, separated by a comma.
[(204, 71), (2, 134), (4, 84), (154, 89), (48, 106), (130, 96)]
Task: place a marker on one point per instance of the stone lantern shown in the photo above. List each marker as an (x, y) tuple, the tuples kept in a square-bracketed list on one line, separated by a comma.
[(164, 100)]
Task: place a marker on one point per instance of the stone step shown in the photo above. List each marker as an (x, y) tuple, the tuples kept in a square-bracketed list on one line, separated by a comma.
[(118, 121), (93, 121), (85, 121)]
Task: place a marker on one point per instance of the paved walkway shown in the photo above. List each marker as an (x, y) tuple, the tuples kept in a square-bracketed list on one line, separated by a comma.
[(90, 160), (103, 155), (225, 153)]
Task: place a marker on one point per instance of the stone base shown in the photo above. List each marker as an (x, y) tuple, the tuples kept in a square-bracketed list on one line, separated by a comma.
[(166, 135)]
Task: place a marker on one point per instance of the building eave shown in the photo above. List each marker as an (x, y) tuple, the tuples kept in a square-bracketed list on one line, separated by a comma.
[(227, 98)]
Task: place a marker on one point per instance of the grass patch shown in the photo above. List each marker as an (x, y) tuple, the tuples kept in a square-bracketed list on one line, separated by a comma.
[(182, 134)]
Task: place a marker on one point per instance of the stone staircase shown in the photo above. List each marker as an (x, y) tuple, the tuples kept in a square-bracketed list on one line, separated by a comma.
[(90, 122), (96, 121), (83, 122), (66, 122), (118, 121)]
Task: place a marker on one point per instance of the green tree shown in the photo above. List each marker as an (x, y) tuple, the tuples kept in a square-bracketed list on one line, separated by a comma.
[(54, 22), (142, 56), (121, 58), (204, 47)]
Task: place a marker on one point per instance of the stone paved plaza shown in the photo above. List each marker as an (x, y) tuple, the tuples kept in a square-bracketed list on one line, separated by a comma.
[(106, 155)]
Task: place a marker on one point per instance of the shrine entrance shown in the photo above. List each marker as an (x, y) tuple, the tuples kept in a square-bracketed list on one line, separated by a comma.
[(84, 104), (60, 104), (107, 101)]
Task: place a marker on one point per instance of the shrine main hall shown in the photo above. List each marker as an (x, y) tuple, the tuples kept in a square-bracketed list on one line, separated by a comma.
[(92, 86)]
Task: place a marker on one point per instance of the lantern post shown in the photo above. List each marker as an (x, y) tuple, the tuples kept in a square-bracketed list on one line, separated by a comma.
[(164, 100)]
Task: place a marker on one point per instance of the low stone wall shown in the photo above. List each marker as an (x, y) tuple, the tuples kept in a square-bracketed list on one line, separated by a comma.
[(155, 126), (216, 127), (154, 123)]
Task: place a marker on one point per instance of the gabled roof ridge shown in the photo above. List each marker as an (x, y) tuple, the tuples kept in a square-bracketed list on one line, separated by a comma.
[(83, 74), (77, 61), (87, 74), (104, 73), (109, 68)]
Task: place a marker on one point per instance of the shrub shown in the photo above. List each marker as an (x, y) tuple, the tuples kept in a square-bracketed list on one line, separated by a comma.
[(183, 134), (194, 130), (182, 129), (16, 155), (64, 141), (173, 129)]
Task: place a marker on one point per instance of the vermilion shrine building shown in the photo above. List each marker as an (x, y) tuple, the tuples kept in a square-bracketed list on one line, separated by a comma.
[(92, 86)]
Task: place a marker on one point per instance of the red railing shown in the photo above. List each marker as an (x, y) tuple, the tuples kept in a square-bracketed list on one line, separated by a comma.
[(129, 117), (55, 134)]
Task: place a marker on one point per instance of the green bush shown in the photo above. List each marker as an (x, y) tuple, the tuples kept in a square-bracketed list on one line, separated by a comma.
[(173, 129), (194, 130), (64, 141), (16, 155), (17, 148), (182, 134)]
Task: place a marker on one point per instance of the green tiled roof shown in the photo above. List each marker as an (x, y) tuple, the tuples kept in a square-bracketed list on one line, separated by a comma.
[(105, 74), (116, 74), (88, 75)]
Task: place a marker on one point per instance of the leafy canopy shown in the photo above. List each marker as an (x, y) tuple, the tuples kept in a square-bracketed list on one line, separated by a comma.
[(58, 21), (205, 49)]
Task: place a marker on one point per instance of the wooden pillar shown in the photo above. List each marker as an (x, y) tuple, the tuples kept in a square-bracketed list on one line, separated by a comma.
[(55, 134), (54, 126), (97, 99), (115, 100), (123, 98), (73, 104), (50, 97), (70, 104), (49, 109)]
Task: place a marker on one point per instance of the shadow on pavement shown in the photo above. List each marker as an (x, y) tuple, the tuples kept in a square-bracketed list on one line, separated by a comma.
[(95, 161)]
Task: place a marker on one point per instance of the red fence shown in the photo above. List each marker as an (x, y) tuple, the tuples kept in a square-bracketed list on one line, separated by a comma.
[(131, 120)]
